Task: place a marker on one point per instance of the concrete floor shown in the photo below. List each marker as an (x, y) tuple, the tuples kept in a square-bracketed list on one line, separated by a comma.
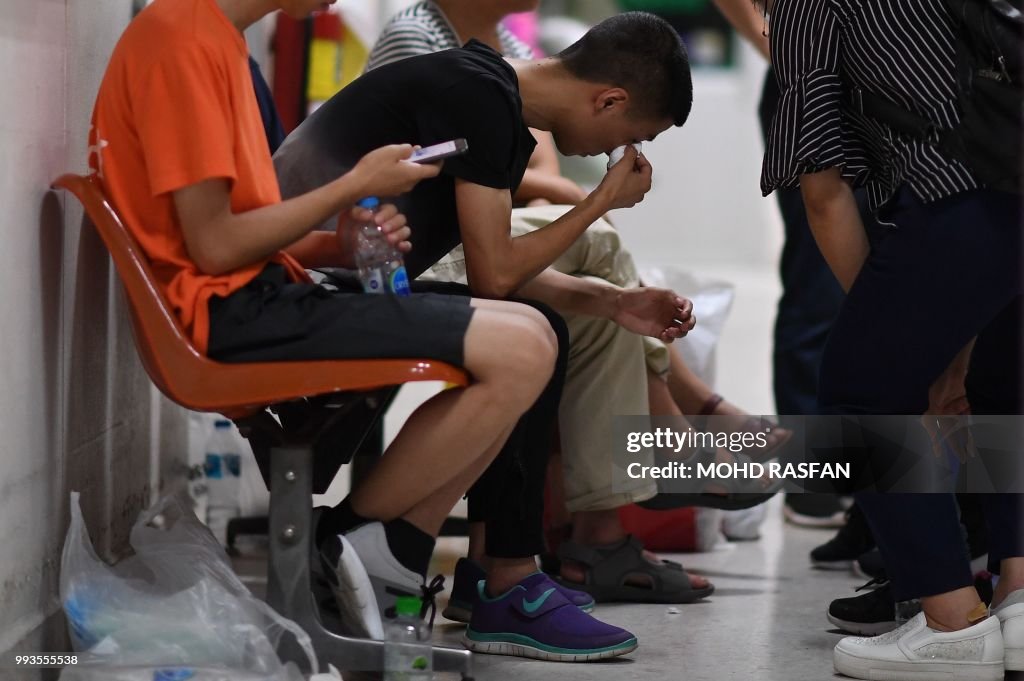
[(765, 621)]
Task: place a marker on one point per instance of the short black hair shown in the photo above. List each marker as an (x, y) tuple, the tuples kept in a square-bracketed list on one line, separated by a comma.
[(642, 54)]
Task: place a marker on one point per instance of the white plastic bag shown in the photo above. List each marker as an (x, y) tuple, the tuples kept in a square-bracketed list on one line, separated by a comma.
[(174, 610), (712, 300)]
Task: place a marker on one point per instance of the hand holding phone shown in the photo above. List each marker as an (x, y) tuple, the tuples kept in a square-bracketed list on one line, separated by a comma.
[(438, 152), (387, 171)]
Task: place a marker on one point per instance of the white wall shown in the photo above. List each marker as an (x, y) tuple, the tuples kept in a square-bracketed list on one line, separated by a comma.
[(76, 409), (705, 214)]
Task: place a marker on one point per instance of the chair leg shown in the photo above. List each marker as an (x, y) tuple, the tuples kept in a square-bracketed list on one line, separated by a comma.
[(289, 590)]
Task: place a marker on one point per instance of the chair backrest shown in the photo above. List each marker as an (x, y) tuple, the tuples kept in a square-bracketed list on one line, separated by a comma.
[(165, 350), (196, 382)]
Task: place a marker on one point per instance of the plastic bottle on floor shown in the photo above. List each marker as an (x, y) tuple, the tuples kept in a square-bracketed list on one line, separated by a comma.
[(407, 652), (223, 479)]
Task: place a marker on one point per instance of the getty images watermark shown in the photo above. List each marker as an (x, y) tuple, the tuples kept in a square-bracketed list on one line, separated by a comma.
[(818, 454), (723, 464)]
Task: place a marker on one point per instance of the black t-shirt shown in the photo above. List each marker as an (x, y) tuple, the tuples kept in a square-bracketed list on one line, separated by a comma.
[(469, 92)]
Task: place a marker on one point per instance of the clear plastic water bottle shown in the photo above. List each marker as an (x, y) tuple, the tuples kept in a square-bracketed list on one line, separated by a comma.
[(223, 468), (407, 652), (381, 268)]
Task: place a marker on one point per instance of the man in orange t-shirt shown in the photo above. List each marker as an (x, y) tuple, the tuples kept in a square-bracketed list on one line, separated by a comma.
[(178, 146)]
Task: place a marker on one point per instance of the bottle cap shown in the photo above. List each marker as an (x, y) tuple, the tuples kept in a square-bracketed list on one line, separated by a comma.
[(408, 605), (222, 423), (370, 202)]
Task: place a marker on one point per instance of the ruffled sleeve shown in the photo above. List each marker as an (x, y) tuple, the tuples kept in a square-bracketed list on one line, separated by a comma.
[(806, 135)]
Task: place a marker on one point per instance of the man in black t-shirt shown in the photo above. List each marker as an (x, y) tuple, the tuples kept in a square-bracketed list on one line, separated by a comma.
[(471, 93), (626, 81)]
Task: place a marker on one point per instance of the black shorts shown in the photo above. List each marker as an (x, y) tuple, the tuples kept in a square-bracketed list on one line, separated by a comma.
[(273, 319)]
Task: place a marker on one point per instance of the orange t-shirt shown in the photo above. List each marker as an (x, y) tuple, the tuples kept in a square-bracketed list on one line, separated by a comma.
[(177, 107)]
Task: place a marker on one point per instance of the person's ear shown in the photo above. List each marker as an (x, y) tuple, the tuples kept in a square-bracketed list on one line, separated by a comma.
[(611, 100)]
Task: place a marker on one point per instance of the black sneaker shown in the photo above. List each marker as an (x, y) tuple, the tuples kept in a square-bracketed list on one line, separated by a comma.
[(851, 541), (870, 614), (813, 510), (870, 565)]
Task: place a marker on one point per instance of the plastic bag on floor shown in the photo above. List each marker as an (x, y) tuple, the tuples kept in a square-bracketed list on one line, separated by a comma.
[(712, 300), (174, 611)]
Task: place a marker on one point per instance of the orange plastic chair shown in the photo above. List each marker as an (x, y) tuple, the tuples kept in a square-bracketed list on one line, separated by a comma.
[(200, 384), (244, 393)]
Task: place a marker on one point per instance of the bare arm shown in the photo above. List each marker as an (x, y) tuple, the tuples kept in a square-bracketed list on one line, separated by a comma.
[(497, 264), (835, 222), (219, 240), (655, 312), (337, 249), (572, 295), (748, 22)]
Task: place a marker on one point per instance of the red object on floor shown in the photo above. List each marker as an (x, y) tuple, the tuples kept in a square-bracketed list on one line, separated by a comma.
[(668, 531)]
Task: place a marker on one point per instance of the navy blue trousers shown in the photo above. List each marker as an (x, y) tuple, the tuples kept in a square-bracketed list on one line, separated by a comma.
[(811, 295), (947, 272)]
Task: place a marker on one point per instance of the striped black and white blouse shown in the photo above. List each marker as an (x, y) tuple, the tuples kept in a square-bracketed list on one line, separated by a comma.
[(422, 29), (900, 49)]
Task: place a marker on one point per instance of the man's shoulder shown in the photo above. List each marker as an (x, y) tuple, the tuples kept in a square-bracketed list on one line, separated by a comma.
[(175, 32), (422, 18), (418, 30)]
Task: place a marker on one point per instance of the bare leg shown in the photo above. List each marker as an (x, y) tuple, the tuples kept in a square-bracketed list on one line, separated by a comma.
[(687, 390), (505, 573), (690, 394), (431, 513), (949, 611), (510, 356), (662, 404), (1011, 578)]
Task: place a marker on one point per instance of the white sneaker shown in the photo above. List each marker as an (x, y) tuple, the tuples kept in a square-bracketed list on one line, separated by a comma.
[(1010, 614), (389, 578), (914, 652), (352, 589)]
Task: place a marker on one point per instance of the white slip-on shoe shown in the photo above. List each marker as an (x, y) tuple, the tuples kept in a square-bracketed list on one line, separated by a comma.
[(352, 589), (389, 578), (914, 652), (1010, 614)]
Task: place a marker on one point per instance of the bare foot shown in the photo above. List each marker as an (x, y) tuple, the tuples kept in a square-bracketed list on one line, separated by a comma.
[(739, 421)]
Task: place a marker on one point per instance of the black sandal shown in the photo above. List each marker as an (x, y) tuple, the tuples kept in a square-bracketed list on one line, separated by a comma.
[(607, 569)]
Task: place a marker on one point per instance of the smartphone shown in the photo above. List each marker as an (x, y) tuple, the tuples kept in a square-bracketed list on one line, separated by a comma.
[(440, 151)]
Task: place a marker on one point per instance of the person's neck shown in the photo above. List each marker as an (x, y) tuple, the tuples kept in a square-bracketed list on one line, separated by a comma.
[(472, 21), (545, 87), (245, 13)]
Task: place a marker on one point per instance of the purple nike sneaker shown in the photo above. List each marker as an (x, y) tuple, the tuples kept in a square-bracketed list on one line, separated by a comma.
[(465, 595), (535, 619)]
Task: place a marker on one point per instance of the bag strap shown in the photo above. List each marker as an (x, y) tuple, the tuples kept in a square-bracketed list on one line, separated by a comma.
[(904, 121), (899, 119)]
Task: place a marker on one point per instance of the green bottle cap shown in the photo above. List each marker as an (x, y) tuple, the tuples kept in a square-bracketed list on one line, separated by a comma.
[(408, 605)]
